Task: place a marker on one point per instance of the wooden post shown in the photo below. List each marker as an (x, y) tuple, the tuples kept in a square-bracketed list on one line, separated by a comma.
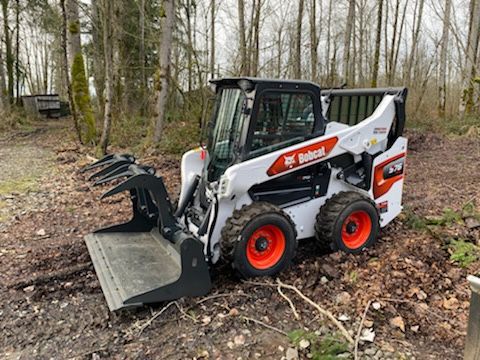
[(472, 344)]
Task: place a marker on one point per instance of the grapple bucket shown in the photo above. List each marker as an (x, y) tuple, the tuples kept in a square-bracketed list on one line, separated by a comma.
[(136, 268), (151, 258)]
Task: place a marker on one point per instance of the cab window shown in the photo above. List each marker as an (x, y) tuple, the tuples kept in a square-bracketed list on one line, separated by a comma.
[(283, 119)]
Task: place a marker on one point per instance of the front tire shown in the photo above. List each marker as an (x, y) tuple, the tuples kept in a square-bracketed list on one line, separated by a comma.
[(348, 221), (258, 240)]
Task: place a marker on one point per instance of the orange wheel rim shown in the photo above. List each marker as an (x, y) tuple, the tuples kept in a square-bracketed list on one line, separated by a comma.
[(356, 229), (265, 247)]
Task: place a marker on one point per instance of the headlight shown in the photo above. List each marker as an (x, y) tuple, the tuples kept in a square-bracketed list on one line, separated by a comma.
[(223, 187)]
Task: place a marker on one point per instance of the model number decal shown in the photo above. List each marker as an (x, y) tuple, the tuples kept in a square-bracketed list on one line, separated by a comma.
[(301, 156), (393, 169)]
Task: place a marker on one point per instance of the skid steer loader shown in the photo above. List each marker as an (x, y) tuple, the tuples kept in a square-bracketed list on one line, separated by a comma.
[(284, 161)]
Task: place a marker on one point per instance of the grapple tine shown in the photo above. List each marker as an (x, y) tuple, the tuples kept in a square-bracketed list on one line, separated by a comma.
[(109, 159), (131, 183), (113, 166), (98, 163), (115, 175)]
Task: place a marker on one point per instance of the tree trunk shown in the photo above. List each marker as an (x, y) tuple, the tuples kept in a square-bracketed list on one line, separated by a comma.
[(297, 69), (141, 53), (67, 74), (391, 54), (17, 51), (415, 37), (256, 39), (471, 58), (98, 66), (442, 94), (243, 41), (329, 39), (3, 90), (313, 40), (400, 33), (378, 40), (349, 23), (190, 49), (279, 52), (74, 42), (9, 61), (167, 24), (212, 39), (107, 24)]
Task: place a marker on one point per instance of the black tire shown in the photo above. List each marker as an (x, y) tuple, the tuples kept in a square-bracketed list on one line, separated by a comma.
[(332, 230), (239, 229)]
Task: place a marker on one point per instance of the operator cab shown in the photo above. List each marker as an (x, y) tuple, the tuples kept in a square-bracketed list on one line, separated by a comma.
[(253, 117)]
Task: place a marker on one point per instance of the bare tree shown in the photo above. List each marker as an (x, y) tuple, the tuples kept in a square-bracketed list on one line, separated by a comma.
[(471, 57), (297, 59), (212, 38), (415, 37), (378, 40), (107, 24), (9, 60), (67, 74), (255, 48), (162, 86), (3, 90), (141, 53), (313, 40), (242, 38), (442, 93), (73, 34), (349, 23)]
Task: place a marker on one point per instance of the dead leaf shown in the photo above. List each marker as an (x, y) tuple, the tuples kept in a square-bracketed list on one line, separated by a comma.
[(451, 304), (206, 320), (472, 222), (233, 312), (376, 305), (398, 322), (368, 323), (367, 335), (29, 288)]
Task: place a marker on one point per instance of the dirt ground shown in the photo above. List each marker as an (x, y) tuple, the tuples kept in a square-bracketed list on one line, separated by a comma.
[(51, 304)]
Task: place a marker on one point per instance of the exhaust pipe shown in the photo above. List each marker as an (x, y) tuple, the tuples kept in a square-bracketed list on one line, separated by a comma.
[(472, 344)]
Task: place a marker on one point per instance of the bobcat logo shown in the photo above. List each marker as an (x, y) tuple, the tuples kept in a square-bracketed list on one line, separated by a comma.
[(289, 161)]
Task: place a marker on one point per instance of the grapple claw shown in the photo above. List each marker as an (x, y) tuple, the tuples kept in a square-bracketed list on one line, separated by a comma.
[(150, 258), (109, 159)]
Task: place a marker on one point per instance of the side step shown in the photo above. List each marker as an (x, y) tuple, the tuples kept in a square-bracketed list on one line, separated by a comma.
[(137, 268)]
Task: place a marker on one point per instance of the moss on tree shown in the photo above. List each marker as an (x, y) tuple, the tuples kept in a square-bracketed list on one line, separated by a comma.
[(82, 100)]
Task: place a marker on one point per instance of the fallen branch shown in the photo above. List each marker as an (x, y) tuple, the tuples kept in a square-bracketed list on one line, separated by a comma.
[(290, 302), (150, 321), (265, 325), (216, 296), (58, 275), (359, 331), (322, 311), (91, 158)]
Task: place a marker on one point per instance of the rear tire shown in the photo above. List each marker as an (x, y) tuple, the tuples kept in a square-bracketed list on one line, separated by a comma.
[(258, 240), (348, 221)]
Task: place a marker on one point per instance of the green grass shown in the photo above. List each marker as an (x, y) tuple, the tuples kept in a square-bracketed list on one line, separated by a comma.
[(21, 185), (463, 253), (414, 221), (321, 347), (449, 217), (458, 125), (470, 210)]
